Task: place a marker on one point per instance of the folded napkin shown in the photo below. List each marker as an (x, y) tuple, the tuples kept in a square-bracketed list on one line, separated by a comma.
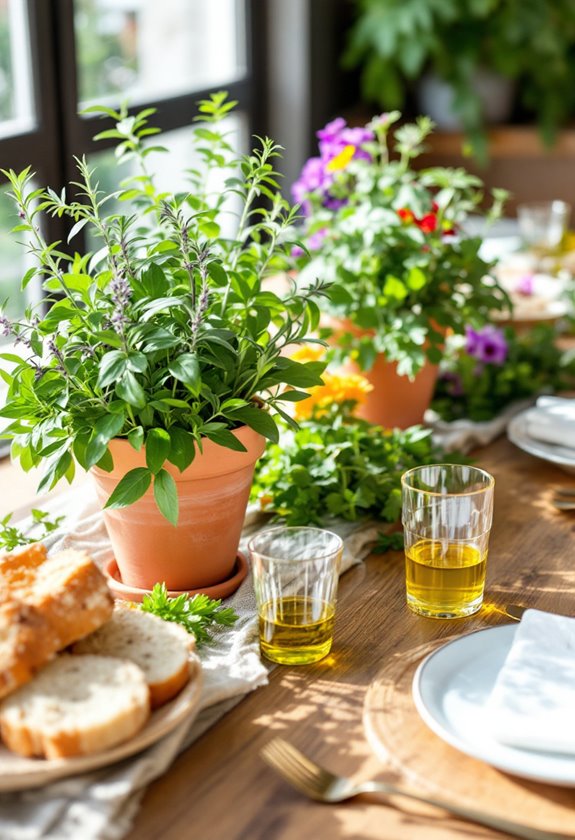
[(532, 702), (552, 420), (102, 805), (464, 435)]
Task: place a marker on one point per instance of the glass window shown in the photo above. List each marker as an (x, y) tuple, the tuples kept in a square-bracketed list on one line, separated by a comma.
[(16, 89), (143, 50)]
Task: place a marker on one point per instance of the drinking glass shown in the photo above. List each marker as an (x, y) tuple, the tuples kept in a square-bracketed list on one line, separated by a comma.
[(296, 572), (543, 223), (447, 514)]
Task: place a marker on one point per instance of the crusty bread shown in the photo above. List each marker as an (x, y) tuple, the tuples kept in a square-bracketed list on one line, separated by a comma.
[(160, 648), (76, 705), (46, 603)]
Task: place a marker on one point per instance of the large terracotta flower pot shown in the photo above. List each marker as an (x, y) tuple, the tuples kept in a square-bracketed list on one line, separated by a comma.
[(200, 552), (395, 401)]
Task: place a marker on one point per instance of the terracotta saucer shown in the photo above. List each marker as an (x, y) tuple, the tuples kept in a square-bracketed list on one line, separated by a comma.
[(218, 590)]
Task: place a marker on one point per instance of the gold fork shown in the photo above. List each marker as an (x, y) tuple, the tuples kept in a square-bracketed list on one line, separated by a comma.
[(318, 783)]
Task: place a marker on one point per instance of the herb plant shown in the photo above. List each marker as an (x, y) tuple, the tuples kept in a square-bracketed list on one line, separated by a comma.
[(496, 367), (165, 335), (336, 465), (198, 613), (392, 242), (12, 537)]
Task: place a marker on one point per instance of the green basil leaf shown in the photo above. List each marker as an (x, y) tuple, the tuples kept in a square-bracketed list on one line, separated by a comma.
[(131, 488), (129, 389), (136, 438), (183, 448), (186, 369), (112, 366), (260, 421), (157, 449), (166, 496), (225, 438)]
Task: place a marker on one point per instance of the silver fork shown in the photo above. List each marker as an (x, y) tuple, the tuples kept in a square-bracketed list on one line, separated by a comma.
[(318, 783)]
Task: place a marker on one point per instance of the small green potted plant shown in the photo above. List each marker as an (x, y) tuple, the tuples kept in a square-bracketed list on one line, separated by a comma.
[(464, 44), (158, 365), (392, 243)]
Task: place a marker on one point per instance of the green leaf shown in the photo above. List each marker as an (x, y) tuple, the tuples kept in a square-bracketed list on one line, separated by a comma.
[(223, 437), (136, 438), (166, 496), (129, 389), (259, 421), (130, 488), (157, 449), (183, 448), (105, 429), (112, 366), (416, 279), (55, 471), (186, 369)]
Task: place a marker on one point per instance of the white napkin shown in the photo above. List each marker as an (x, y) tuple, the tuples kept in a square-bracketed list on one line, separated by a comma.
[(553, 420), (532, 703)]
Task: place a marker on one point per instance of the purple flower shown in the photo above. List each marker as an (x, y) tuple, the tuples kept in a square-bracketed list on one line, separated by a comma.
[(526, 285), (487, 345), (5, 326), (313, 177), (328, 133), (121, 292)]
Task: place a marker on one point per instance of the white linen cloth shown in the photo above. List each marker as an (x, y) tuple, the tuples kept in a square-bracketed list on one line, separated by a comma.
[(103, 804), (552, 420), (532, 701), (464, 435)]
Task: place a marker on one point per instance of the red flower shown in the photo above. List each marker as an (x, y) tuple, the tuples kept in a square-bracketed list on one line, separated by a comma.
[(434, 206), (406, 215), (428, 223)]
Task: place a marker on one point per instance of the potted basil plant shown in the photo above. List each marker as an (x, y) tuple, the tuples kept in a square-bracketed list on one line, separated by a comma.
[(158, 365)]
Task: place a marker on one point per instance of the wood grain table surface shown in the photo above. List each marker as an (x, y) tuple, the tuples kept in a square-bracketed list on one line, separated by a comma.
[(220, 788)]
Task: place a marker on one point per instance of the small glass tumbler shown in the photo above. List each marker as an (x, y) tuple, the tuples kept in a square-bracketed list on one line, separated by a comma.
[(296, 572), (447, 514), (542, 224)]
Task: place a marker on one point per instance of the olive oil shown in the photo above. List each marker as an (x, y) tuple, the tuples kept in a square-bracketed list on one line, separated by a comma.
[(296, 630), (444, 580)]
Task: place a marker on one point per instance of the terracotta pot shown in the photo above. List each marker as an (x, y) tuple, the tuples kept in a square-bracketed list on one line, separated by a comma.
[(200, 551), (395, 401)]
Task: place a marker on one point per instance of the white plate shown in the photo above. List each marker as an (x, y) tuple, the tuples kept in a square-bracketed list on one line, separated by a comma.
[(19, 773), (450, 688), (560, 455)]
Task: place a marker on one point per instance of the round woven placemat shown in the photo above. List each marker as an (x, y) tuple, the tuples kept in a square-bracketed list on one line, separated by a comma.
[(402, 741)]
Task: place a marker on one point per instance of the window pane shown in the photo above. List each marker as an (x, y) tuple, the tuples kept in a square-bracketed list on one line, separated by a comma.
[(168, 169), (151, 49), (14, 262), (16, 90)]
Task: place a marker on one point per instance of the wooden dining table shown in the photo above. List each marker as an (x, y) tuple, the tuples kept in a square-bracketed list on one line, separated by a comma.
[(221, 789)]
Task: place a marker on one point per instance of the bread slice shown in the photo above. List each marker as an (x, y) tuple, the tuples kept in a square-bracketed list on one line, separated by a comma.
[(76, 705), (160, 648), (46, 603)]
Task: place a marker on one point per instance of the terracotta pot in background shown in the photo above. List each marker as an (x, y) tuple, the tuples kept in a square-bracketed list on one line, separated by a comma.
[(395, 401), (200, 551)]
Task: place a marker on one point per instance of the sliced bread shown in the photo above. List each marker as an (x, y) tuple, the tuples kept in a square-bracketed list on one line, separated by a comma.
[(76, 705), (160, 648), (46, 603)]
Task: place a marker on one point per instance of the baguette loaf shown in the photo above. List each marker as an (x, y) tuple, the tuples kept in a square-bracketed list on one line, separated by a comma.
[(46, 603), (76, 705), (160, 648)]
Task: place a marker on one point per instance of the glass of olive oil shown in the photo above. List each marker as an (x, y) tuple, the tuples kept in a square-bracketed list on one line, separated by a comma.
[(296, 572), (446, 512)]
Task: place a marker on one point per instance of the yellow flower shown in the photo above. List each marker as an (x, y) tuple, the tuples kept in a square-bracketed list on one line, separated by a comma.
[(338, 388), (341, 161), (308, 353)]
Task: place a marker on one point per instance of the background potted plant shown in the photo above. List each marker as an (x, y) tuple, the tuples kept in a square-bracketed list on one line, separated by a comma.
[(158, 365), (465, 45), (393, 245)]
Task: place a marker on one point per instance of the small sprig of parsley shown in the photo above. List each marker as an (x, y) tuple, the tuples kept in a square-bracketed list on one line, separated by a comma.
[(197, 613), (12, 537), (388, 542)]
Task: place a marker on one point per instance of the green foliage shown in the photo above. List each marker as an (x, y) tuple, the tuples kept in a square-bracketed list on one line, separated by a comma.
[(477, 391), (198, 614), (165, 335), (401, 266), (395, 41), (388, 542), (12, 537), (336, 465)]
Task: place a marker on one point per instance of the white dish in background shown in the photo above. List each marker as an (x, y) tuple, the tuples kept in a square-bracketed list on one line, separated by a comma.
[(450, 689), (518, 434), (19, 773)]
